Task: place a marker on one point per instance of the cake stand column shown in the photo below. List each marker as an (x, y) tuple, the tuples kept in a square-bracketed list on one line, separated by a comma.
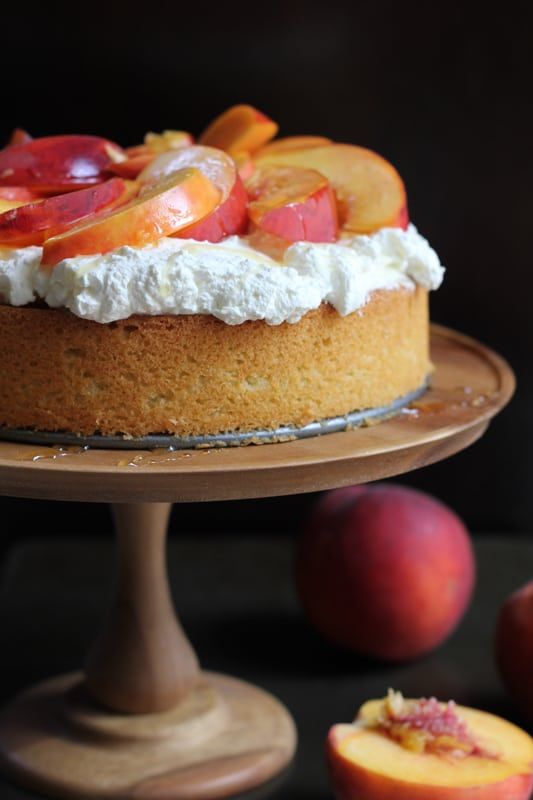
[(142, 662), (144, 723)]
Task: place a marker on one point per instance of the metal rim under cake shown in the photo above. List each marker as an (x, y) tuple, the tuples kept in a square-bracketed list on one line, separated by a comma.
[(285, 433)]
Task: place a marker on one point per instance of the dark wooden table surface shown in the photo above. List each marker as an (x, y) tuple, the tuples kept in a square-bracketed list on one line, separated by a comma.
[(236, 599)]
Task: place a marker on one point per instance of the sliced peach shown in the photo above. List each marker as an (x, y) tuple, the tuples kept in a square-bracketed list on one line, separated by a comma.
[(19, 136), (57, 164), (20, 194), (174, 203), (292, 203), (228, 219), (230, 216), (463, 754), (370, 193), (32, 223), (132, 166), (293, 143), (239, 128)]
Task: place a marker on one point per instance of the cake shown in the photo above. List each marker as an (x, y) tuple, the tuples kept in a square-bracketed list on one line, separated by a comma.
[(242, 283)]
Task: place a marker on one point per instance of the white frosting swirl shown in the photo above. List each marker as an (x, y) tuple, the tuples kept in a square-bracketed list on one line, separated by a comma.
[(230, 280)]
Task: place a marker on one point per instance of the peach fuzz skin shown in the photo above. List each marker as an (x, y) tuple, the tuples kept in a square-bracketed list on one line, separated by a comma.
[(514, 647), (384, 570), (366, 765)]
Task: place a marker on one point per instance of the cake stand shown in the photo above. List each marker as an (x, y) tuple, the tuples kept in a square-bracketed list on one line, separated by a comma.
[(143, 721)]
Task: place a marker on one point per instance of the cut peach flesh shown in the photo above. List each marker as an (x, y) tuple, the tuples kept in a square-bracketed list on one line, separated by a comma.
[(293, 143), (34, 222), (245, 164), (370, 193), (293, 204), (239, 128), (366, 764), (184, 198)]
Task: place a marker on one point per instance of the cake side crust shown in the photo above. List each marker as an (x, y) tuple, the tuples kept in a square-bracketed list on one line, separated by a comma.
[(192, 375)]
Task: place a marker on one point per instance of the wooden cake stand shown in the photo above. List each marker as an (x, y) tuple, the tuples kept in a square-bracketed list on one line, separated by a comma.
[(143, 721)]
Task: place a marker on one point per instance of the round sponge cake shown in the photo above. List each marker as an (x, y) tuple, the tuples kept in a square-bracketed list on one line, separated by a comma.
[(194, 375)]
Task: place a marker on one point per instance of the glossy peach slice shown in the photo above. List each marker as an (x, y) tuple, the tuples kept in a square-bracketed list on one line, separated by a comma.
[(293, 143), (230, 216), (57, 164), (370, 193), (132, 166), (292, 203), (471, 756), (239, 128), (32, 223), (176, 202)]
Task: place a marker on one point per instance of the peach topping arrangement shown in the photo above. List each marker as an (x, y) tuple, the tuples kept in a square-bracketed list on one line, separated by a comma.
[(400, 749), (83, 195)]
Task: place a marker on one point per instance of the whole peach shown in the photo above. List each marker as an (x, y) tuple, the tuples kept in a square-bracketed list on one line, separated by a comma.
[(384, 570), (514, 646)]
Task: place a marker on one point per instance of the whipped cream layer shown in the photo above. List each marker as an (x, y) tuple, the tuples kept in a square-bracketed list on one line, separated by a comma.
[(229, 280)]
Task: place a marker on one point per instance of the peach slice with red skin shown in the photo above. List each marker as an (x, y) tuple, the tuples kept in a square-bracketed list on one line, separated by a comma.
[(132, 166), (58, 164), (239, 128), (230, 216), (494, 759), (292, 203), (176, 202), (245, 164), (370, 193), (32, 223)]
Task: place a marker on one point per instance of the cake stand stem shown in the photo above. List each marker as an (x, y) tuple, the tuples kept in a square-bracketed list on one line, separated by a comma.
[(143, 722), (142, 662)]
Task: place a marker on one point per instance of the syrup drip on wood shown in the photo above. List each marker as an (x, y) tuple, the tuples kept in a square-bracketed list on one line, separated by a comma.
[(438, 401), (163, 455), (53, 453)]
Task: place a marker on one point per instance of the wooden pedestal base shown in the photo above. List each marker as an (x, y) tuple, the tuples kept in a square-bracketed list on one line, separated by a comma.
[(224, 738)]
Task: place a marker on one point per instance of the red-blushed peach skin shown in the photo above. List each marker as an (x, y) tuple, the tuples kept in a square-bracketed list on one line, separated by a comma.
[(367, 765), (384, 570), (514, 647), (292, 203)]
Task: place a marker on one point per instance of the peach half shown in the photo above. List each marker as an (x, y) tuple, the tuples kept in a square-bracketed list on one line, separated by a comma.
[(401, 749)]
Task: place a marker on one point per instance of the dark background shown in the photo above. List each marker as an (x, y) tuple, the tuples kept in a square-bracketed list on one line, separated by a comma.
[(441, 89)]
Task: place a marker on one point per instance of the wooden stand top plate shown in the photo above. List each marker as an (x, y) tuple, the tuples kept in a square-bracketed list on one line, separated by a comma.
[(471, 384)]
